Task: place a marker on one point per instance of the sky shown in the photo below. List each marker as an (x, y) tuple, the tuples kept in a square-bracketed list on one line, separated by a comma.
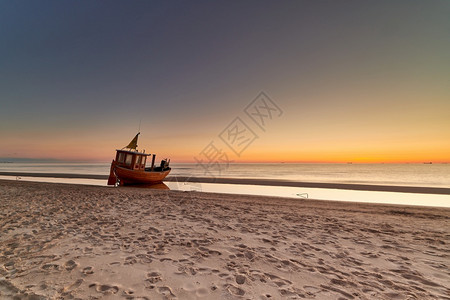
[(343, 81)]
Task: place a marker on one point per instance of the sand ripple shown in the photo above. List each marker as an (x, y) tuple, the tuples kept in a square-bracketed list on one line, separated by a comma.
[(64, 241)]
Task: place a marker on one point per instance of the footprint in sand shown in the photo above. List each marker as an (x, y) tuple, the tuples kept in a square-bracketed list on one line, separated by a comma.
[(128, 293), (70, 265), (104, 288), (311, 290), (73, 286), (224, 275), (166, 291), (234, 290), (287, 293), (249, 254), (201, 292), (130, 260), (49, 267), (10, 265), (189, 286), (153, 277), (240, 279), (88, 271), (209, 251)]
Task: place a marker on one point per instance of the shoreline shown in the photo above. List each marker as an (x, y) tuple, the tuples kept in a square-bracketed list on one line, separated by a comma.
[(76, 241), (261, 182), (328, 203)]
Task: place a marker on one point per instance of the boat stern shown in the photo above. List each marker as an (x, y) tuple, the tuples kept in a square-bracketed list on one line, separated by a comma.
[(112, 177)]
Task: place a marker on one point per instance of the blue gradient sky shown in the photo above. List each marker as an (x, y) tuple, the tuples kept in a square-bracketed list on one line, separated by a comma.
[(362, 81)]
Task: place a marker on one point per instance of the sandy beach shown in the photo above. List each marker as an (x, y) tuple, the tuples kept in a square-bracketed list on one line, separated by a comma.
[(60, 241)]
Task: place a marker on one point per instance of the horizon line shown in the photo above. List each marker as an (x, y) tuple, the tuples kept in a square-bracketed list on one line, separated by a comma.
[(6, 160)]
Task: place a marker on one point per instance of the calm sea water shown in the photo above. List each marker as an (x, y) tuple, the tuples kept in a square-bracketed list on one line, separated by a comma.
[(425, 175)]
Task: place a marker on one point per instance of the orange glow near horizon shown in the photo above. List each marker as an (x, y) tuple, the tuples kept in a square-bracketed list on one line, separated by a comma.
[(268, 158), (271, 147), (106, 155)]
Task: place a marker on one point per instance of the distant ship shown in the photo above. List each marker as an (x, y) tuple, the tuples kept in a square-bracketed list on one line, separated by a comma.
[(129, 167)]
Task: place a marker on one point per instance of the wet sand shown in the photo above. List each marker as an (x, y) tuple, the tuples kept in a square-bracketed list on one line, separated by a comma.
[(60, 241), (263, 182)]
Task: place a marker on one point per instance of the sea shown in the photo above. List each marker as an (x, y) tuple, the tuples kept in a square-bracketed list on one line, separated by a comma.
[(413, 174)]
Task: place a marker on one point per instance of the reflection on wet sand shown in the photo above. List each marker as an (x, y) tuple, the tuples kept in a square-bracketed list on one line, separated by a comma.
[(421, 199)]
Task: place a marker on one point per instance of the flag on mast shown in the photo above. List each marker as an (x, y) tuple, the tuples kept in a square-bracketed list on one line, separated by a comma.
[(133, 143)]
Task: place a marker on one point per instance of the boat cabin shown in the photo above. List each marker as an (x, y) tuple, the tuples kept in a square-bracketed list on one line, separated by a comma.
[(132, 160)]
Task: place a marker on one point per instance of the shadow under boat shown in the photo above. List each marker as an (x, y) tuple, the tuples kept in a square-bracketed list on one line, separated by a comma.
[(152, 186)]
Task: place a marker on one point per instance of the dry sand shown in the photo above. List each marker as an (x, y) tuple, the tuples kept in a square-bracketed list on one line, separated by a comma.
[(67, 241)]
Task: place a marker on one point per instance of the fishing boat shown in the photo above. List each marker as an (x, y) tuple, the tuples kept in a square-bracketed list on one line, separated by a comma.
[(129, 167)]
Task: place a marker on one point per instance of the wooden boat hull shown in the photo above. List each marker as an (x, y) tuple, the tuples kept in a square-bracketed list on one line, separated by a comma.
[(129, 177)]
